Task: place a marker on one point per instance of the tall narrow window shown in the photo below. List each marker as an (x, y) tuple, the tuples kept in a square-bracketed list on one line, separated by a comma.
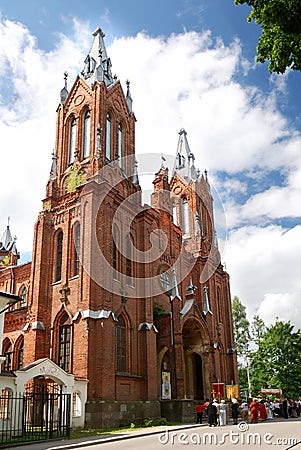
[(76, 237), (185, 228), (72, 141), (59, 254), (20, 355), (115, 256), (8, 353), (121, 344), (86, 149), (128, 263), (23, 296), (174, 214), (64, 341), (120, 144), (108, 137)]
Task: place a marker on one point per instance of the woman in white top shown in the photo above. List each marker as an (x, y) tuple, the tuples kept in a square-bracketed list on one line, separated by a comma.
[(222, 413)]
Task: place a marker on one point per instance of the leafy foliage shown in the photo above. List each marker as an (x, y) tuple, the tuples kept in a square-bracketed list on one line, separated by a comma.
[(75, 178), (280, 41), (159, 310), (4, 262), (273, 353), (258, 329), (241, 326), (276, 363)]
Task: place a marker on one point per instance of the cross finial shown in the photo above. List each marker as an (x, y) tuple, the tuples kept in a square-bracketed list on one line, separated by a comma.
[(163, 160), (65, 78)]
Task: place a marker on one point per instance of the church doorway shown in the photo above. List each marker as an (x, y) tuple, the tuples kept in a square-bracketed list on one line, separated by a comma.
[(196, 365), (198, 376)]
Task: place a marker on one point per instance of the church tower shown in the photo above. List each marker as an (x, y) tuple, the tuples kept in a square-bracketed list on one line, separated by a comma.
[(82, 268)]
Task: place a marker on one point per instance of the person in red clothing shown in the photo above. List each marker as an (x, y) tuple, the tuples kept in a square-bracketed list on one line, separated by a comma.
[(254, 408), (262, 410), (199, 412)]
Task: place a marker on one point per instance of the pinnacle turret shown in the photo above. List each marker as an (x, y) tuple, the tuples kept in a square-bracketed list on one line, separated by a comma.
[(97, 64), (8, 249), (184, 164)]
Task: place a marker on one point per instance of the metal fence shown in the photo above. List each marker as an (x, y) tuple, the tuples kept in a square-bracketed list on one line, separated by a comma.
[(34, 416)]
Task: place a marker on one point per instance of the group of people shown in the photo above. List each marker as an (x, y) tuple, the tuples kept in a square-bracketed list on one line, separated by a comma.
[(267, 409), (218, 412)]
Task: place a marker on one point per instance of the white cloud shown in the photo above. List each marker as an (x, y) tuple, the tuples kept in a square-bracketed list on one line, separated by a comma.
[(30, 83), (186, 80), (284, 305), (264, 264)]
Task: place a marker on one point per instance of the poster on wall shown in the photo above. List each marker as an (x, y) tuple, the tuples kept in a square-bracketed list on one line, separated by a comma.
[(166, 386)]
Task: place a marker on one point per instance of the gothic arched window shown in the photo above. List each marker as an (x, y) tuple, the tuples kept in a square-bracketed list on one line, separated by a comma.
[(23, 296), (20, 353), (121, 344), (72, 138), (120, 144), (64, 343), (108, 136), (59, 255), (86, 149), (76, 237), (185, 227), (8, 354)]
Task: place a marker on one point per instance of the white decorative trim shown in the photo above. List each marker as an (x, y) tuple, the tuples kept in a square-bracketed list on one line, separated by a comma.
[(186, 307), (37, 325), (147, 326), (89, 314)]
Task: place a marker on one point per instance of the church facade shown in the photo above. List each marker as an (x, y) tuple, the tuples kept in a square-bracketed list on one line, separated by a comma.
[(130, 300)]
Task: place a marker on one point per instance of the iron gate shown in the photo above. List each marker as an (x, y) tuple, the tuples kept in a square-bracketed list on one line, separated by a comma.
[(43, 412)]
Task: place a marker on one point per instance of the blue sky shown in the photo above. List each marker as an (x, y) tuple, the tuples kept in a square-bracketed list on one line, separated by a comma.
[(191, 64)]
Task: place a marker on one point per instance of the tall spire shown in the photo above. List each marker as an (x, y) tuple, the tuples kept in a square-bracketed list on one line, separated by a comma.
[(53, 167), (136, 176), (174, 286), (184, 164), (129, 100), (206, 309), (64, 91), (97, 64)]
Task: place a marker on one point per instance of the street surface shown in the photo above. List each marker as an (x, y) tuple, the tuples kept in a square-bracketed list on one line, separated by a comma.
[(270, 434)]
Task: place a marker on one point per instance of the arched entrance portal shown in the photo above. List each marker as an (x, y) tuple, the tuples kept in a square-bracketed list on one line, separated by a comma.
[(46, 409), (197, 368)]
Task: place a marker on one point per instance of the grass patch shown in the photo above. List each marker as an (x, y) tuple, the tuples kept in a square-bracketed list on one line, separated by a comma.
[(148, 423)]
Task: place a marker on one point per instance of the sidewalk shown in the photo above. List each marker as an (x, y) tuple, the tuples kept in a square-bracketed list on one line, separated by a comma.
[(92, 440)]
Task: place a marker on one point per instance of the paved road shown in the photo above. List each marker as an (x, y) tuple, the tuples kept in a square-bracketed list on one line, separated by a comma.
[(278, 434)]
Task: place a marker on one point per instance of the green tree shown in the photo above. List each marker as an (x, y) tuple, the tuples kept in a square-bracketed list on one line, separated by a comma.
[(276, 362), (258, 329), (280, 40), (241, 326)]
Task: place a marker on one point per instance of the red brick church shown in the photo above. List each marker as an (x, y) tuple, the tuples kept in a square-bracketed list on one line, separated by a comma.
[(128, 301)]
